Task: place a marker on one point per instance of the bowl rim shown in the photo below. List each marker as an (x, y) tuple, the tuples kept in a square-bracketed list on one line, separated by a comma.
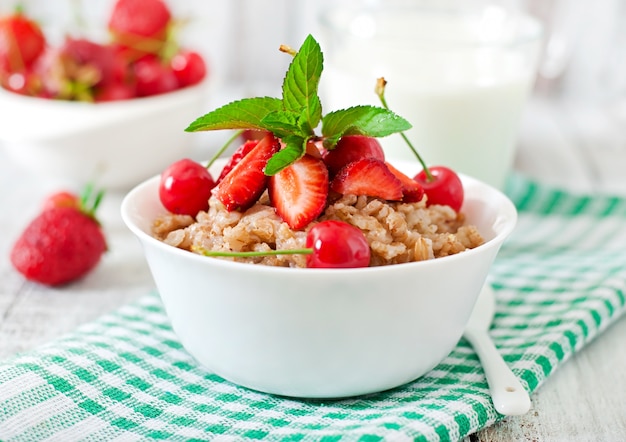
[(506, 219), (64, 118), (135, 101)]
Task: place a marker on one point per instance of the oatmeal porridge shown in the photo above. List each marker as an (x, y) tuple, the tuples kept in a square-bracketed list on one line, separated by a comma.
[(396, 232)]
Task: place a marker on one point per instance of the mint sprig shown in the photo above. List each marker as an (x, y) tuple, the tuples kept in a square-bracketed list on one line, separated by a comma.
[(295, 117), (301, 83)]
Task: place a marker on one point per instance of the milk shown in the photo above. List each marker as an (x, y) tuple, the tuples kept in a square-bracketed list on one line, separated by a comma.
[(463, 93)]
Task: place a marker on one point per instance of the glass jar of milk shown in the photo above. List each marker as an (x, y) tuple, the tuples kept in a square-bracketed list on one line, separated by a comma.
[(459, 71)]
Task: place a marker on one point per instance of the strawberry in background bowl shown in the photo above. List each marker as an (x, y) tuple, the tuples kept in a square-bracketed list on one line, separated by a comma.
[(109, 112)]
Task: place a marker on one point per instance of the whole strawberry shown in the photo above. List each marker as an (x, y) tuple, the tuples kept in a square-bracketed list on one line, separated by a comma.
[(21, 42), (140, 26), (62, 244), (78, 69)]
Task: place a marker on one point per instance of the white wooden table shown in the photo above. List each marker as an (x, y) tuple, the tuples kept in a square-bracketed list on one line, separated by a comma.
[(583, 401)]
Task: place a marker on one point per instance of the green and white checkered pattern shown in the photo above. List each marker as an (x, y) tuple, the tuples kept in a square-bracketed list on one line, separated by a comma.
[(560, 280)]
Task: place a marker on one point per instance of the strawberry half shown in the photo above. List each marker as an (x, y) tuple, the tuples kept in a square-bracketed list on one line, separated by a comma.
[(245, 183), (299, 191), (412, 191), (351, 148), (368, 176), (243, 150)]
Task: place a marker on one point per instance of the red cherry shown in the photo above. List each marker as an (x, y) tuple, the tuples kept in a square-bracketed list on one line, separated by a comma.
[(153, 77), (337, 244), (189, 68), (185, 187), (445, 188)]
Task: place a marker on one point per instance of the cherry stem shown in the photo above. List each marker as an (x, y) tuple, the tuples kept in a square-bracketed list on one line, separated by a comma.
[(380, 91), (224, 147), (231, 254), (288, 50)]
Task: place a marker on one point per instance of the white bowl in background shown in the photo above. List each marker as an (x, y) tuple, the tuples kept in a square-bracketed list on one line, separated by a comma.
[(114, 145), (321, 333)]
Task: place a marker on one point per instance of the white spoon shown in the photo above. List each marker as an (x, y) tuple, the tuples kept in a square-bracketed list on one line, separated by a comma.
[(507, 393)]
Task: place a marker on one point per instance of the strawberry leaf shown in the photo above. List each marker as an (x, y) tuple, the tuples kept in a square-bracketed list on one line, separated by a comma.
[(295, 148), (242, 114), (301, 83), (370, 121)]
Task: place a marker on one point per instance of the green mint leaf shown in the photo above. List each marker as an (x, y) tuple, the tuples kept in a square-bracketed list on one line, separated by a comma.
[(304, 126), (283, 124), (242, 114), (301, 83), (295, 148), (370, 121)]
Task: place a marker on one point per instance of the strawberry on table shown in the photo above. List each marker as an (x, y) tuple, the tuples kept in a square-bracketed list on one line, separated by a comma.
[(60, 245), (299, 191), (245, 183), (61, 199), (368, 176)]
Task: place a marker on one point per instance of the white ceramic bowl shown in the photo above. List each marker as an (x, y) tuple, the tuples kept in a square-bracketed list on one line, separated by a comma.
[(115, 145), (321, 333)]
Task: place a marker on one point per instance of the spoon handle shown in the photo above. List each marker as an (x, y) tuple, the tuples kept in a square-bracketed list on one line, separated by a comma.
[(508, 395)]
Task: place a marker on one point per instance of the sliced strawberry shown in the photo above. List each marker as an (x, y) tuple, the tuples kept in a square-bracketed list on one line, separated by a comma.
[(243, 150), (351, 148), (412, 191), (245, 183), (299, 191), (368, 176), (315, 149)]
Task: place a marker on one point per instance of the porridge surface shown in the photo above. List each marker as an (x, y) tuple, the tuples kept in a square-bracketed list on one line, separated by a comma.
[(397, 232)]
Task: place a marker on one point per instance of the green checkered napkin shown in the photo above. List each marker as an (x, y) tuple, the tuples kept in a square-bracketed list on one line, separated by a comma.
[(560, 281)]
